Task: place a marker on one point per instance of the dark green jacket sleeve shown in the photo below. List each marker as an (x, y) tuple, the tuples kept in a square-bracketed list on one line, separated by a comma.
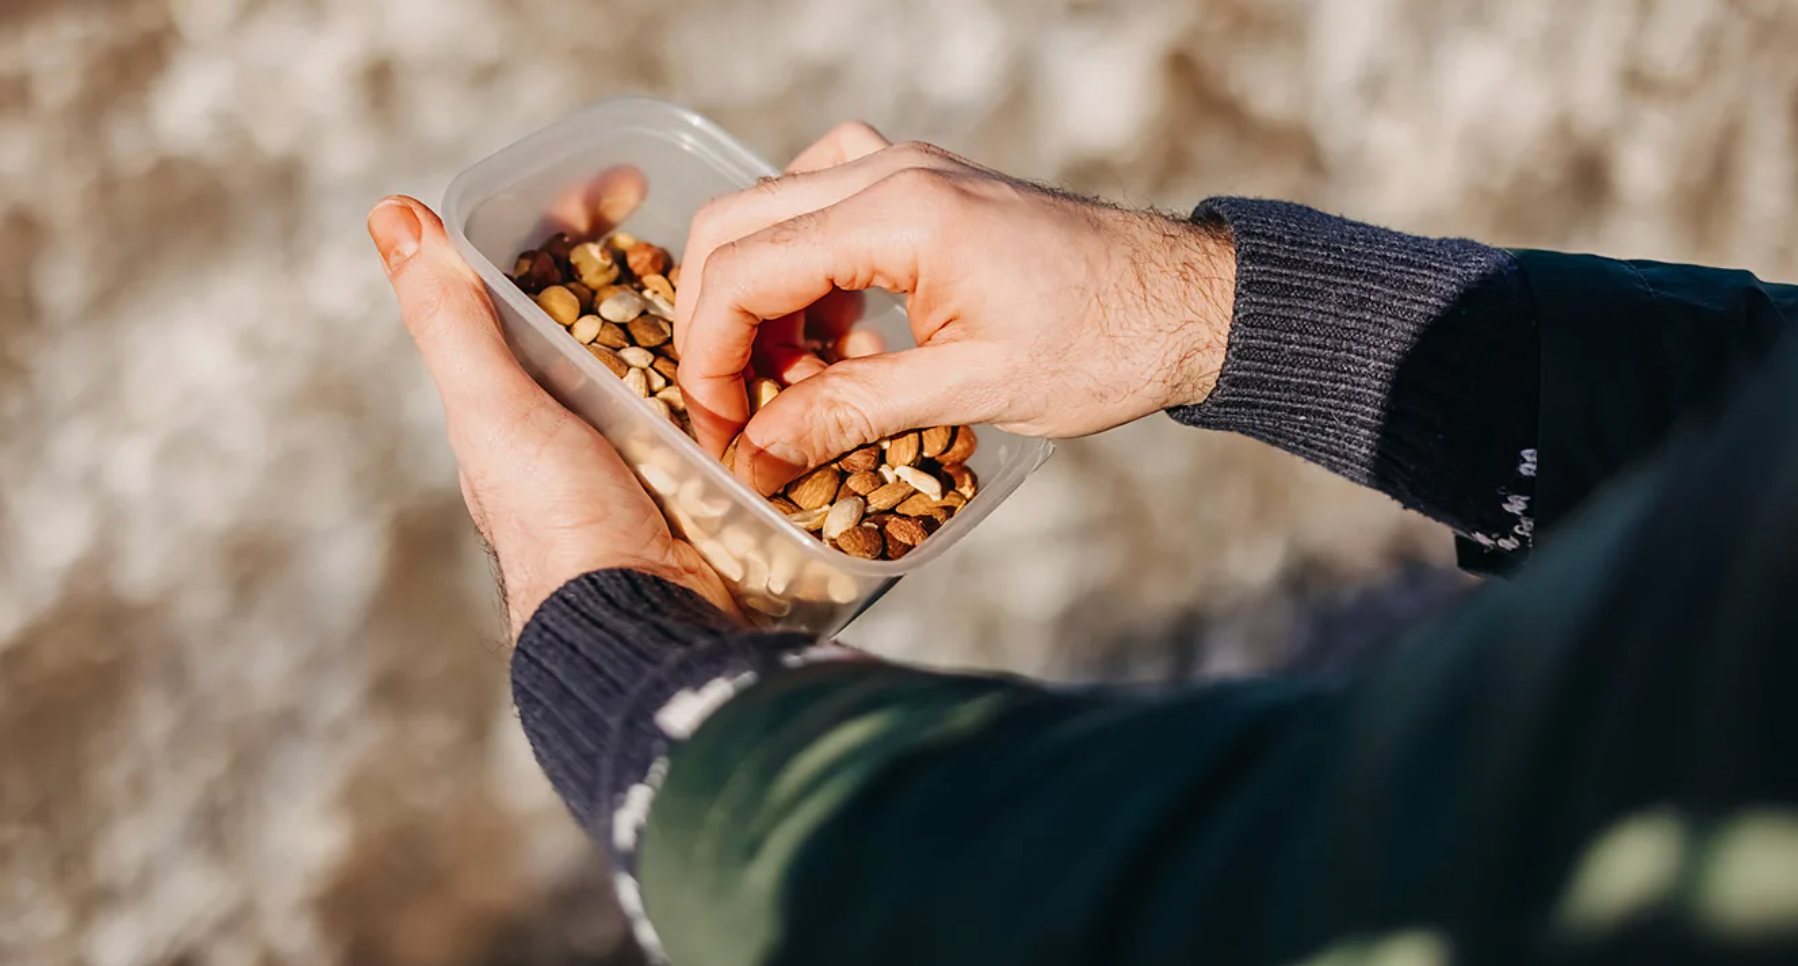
[(1590, 763)]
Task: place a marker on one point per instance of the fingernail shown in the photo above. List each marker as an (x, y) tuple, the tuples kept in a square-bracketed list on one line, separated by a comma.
[(395, 230)]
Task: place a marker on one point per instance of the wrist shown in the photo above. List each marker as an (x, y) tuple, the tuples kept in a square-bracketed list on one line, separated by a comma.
[(1198, 288)]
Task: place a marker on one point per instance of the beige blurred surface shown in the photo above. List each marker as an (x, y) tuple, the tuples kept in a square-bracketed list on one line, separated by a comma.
[(251, 706)]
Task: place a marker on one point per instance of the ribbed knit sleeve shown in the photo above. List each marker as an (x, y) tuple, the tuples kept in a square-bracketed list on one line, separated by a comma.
[(1403, 363)]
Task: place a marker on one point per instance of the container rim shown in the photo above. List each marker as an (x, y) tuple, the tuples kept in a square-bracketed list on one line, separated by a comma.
[(724, 153)]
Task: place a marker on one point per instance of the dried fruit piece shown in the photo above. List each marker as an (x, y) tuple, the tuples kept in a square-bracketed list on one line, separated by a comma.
[(843, 515), (862, 541), (762, 392), (903, 449), (936, 439), (637, 382), (860, 460), (811, 519), (649, 331), (814, 489), (646, 259), (890, 495), (560, 304), (921, 481), (621, 306), (658, 285), (618, 366), (637, 357), (586, 328), (962, 448), (917, 505), (864, 483)]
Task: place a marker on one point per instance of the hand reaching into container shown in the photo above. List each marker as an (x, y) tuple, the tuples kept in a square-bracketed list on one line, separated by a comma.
[(1046, 314), (549, 495)]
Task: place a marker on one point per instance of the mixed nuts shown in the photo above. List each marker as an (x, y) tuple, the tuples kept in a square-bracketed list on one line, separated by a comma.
[(616, 297)]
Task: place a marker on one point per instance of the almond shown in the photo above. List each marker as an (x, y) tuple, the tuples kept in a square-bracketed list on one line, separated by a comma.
[(905, 530), (863, 483), (784, 505), (649, 331), (962, 448), (890, 495), (936, 439), (613, 336), (666, 366), (921, 481), (862, 541), (815, 489), (582, 294), (917, 505), (895, 549), (618, 366), (902, 450), (860, 460), (843, 515)]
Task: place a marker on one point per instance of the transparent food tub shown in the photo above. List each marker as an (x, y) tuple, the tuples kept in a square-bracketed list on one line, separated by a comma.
[(498, 208)]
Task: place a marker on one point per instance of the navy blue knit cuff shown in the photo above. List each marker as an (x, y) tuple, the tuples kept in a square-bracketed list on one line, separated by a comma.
[(596, 664), (1407, 364)]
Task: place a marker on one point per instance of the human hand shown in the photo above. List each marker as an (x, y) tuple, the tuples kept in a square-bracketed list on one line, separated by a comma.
[(548, 494), (1046, 314)]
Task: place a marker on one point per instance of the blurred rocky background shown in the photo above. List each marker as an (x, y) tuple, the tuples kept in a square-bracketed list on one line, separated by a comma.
[(252, 704)]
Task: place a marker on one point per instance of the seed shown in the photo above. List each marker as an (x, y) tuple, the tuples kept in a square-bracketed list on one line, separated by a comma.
[(674, 399), (815, 489), (921, 481), (612, 336), (666, 366), (637, 382), (863, 483), (843, 515), (582, 294), (637, 357), (962, 479), (621, 306), (618, 366), (905, 530), (660, 286), (657, 381), (809, 519), (917, 505), (586, 328), (862, 541), (902, 450), (593, 264), (762, 392), (936, 439), (646, 259), (860, 460), (560, 304), (962, 448), (890, 495), (649, 331)]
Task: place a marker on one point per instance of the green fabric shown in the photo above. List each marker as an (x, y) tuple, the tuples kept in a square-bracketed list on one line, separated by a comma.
[(1595, 761)]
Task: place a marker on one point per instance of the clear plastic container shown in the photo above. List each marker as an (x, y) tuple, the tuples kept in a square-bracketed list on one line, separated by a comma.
[(496, 209)]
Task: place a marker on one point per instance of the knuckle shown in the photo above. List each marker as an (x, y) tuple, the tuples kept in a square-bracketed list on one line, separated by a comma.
[(843, 419), (922, 152)]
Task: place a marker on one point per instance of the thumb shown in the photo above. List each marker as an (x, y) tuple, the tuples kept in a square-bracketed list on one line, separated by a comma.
[(858, 401), (445, 307)]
